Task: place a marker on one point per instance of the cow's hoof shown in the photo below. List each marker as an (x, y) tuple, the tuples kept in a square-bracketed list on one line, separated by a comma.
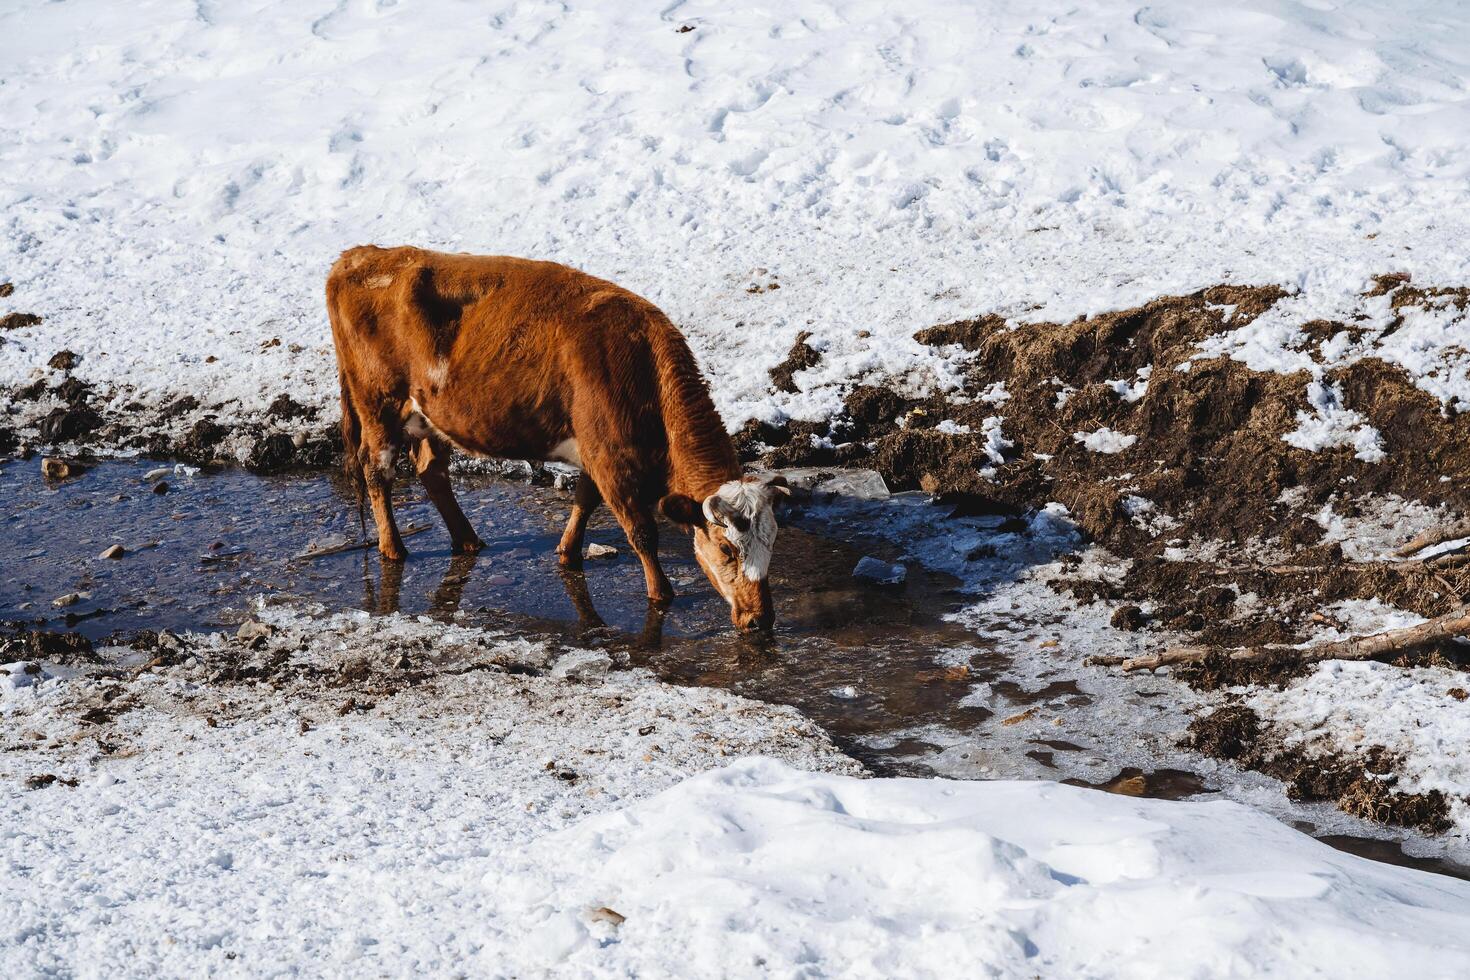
[(661, 598), (469, 546), (570, 560), (393, 554)]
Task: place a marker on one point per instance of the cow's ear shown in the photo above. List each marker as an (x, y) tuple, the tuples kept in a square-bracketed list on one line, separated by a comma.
[(682, 509)]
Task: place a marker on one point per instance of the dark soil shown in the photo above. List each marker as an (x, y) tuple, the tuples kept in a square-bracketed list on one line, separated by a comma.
[(1361, 784), (800, 358)]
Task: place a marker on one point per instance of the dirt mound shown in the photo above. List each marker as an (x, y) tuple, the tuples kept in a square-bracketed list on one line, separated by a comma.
[(1152, 447), (1198, 439)]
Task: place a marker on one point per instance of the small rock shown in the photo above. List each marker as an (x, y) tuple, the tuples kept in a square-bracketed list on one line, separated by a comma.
[(582, 665), (63, 360), (499, 580), (55, 468), (6, 288), (1128, 618), (114, 552), (15, 321), (70, 599), (161, 487), (254, 633), (157, 474), (596, 550), (169, 641), (880, 572), (605, 914)]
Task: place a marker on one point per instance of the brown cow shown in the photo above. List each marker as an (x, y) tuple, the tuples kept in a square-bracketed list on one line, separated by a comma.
[(519, 359)]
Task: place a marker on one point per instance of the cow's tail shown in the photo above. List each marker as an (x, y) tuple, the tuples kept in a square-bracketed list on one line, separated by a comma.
[(352, 452), (351, 422)]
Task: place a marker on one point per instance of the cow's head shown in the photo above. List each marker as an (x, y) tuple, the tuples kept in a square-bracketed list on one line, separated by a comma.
[(734, 532)]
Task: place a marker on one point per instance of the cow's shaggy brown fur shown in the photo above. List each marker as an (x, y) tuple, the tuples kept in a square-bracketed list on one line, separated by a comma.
[(521, 359)]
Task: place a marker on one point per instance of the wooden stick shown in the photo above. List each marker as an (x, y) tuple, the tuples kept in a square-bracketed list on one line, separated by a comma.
[(1434, 536), (1448, 559), (338, 549), (1451, 624)]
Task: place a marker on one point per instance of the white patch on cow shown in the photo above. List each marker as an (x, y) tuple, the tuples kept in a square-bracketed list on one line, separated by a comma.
[(568, 452), (438, 374), (752, 501), (378, 282), (386, 460), (418, 425)]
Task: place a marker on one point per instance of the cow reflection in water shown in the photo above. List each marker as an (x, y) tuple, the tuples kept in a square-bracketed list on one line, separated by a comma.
[(384, 597)]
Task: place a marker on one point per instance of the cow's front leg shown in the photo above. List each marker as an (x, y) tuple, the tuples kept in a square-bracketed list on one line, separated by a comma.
[(642, 535)]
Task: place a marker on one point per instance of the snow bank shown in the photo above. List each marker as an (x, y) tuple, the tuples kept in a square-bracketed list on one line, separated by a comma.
[(180, 175), (761, 868)]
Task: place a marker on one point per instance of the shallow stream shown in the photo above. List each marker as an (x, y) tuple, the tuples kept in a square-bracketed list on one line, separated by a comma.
[(903, 678)]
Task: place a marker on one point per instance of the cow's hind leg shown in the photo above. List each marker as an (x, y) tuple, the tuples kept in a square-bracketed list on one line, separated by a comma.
[(378, 453), (431, 458), (569, 551)]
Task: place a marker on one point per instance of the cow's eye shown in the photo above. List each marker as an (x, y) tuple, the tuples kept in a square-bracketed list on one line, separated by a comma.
[(727, 551)]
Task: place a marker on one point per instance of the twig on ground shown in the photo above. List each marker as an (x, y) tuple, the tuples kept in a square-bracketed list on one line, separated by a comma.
[(357, 545), (1451, 624), (1434, 536)]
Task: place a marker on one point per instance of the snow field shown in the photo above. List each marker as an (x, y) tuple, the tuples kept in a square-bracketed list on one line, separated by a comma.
[(181, 174)]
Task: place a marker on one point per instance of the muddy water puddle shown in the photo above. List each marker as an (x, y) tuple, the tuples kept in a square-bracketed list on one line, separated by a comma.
[(857, 657), (883, 670)]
